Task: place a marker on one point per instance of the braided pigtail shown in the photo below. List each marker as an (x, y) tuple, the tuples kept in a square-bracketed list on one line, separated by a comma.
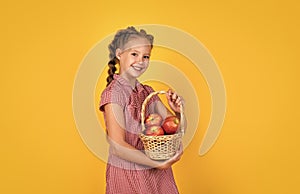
[(119, 41), (113, 59), (111, 71)]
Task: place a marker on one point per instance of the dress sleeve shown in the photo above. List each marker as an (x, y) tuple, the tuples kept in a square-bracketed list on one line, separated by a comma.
[(112, 95)]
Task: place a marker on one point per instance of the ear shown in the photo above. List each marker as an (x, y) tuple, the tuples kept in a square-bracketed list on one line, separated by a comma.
[(118, 53)]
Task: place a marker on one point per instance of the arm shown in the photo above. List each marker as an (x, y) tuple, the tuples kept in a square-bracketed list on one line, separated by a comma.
[(174, 102), (116, 138)]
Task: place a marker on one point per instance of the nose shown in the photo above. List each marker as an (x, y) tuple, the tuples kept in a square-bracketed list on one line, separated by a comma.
[(140, 60)]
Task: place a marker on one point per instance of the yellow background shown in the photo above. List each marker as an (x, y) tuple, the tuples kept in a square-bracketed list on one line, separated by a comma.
[(254, 43)]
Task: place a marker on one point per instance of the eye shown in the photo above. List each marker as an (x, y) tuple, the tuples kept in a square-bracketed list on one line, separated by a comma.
[(146, 57), (134, 54)]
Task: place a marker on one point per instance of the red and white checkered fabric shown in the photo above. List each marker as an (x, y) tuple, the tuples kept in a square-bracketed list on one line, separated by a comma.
[(125, 177)]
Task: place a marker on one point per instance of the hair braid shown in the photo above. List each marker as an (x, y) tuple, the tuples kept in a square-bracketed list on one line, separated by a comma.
[(119, 41), (111, 71)]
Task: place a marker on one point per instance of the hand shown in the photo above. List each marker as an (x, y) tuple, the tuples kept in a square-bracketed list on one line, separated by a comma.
[(168, 163), (174, 101)]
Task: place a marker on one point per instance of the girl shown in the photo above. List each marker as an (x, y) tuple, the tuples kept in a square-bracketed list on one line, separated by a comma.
[(129, 170)]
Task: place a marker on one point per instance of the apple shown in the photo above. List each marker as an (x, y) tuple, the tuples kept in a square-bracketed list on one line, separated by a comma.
[(154, 130), (153, 119), (171, 125)]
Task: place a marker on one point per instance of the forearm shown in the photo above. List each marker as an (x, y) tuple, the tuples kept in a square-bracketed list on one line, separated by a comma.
[(129, 153), (178, 115)]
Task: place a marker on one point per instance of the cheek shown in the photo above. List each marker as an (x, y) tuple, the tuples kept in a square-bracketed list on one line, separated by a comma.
[(125, 61), (146, 66), (145, 63), (130, 60)]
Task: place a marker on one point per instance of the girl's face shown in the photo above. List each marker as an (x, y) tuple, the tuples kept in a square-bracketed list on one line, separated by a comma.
[(134, 59)]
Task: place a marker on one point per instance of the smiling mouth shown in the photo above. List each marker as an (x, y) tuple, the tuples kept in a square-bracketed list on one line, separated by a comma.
[(137, 68)]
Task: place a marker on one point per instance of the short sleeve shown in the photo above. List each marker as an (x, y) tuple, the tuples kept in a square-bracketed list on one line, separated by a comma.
[(112, 94)]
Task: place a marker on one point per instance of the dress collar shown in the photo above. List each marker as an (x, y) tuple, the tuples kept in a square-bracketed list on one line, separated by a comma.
[(124, 82)]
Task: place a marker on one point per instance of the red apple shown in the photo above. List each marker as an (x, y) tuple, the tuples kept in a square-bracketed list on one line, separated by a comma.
[(171, 125), (154, 130), (153, 119)]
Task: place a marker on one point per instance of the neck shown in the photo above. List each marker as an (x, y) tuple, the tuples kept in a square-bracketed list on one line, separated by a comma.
[(132, 81)]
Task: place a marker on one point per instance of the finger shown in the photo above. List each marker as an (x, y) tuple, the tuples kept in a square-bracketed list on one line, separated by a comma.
[(178, 157), (169, 94), (178, 100), (174, 97), (180, 150), (175, 157)]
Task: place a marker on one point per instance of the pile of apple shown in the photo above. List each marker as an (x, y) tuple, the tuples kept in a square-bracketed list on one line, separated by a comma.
[(155, 125)]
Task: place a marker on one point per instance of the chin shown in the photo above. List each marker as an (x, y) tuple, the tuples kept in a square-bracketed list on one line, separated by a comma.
[(137, 74)]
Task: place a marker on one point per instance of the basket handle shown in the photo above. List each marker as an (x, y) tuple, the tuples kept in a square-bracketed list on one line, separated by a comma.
[(147, 99)]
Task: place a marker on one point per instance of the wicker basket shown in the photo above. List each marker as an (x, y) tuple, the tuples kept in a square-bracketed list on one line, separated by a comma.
[(165, 146)]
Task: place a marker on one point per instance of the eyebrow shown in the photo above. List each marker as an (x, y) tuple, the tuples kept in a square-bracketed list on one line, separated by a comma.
[(133, 50)]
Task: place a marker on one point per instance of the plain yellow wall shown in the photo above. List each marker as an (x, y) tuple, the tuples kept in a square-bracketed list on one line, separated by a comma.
[(255, 44)]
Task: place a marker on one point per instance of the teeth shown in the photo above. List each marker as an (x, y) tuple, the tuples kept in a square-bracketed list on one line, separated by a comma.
[(137, 68)]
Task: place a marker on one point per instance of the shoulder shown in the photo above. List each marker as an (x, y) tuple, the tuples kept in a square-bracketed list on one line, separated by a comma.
[(113, 88), (113, 93)]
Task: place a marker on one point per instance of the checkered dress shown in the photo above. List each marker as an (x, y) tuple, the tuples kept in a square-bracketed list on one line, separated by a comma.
[(122, 176)]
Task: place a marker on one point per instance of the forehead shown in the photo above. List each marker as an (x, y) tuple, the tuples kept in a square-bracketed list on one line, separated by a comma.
[(137, 42)]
